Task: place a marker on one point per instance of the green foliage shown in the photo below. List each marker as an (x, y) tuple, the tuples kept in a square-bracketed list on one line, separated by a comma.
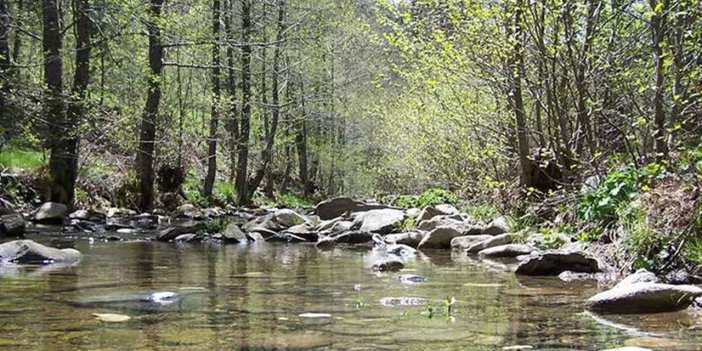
[(15, 158), (430, 197), (214, 226), (640, 239), (407, 224), (619, 188), (554, 238), (291, 200), (693, 250), (224, 192), (483, 212)]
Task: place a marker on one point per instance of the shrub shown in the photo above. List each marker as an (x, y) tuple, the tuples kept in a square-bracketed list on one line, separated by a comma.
[(430, 197)]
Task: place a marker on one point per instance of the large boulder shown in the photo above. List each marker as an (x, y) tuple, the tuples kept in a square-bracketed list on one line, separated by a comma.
[(555, 262), (439, 238), (288, 218), (233, 234), (379, 221), (466, 241), (29, 252), (354, 237), (640, 276), (498, 240), (11, 225), (644, 297), (497, 226), (430, 212), (50, 212), (412, 238), (339, 206), (506, 251)]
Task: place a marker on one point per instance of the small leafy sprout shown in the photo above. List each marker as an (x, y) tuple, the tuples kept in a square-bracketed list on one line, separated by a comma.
[(430, 311), (450, 303), (358, 303)]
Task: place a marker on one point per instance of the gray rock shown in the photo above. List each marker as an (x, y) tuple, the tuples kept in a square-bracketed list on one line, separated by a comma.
[(509, 250), (466, 241), (50, 212), (12, 225), (644, 298), (497, 226), (389, 264), (304, 231), (498, 240), (171, 233), (354, 237), (337, 207), (413, 213), (288, 218), (340, 227), (30, 252), (325, 243), (286, 238), (439, 238), (119, 212), (188, 211), (430, 212), (629, 348), (412, 238), (640, 276), (186, 238), (233, 234), (80, 214), (379, 221), (444, 221), (555, 262), (328, 224)]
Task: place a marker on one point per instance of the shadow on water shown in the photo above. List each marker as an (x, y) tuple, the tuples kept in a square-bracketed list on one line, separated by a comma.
[(294, 297)]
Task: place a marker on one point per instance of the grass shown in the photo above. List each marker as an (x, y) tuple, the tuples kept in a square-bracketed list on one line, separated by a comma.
[(15, 158)]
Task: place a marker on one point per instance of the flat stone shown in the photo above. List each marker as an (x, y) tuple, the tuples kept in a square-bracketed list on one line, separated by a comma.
[(339, 206), (507, 251), (354, 237), (497, 240), (30, 252), (640, 276), (466, 241), (379, 221), (439, 238), (644, 298), (50, 212), (555, 262), (411, 239), (288, 218), (233, 234), (430, 212)]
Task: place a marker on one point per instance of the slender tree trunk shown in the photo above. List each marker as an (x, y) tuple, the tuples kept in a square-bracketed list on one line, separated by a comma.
[(243, 144), (267, 153), (147, 136), (301, 144), (658, 24), (216, 92), (679, 63), (516, 71), (232, 124), (5, 59)]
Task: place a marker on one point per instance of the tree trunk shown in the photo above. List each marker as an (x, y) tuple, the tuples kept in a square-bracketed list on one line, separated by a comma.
[(5, 59), (216, 92), (232, 124), (301, 144), (658, 23), (145, 155), (267, 152), (516, 71), (244, 131)]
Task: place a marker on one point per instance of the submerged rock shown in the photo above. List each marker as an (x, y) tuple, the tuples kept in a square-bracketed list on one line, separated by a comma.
[(644, 297), (12, 225), (555, 262), (30, 252), (50, 212), (379, 221), (389, 264)]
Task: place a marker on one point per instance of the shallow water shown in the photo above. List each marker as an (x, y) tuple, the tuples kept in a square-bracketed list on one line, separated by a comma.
[(252, 298)]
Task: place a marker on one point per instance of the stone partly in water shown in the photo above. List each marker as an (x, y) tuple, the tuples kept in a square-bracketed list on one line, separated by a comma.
[(30, 252), (466, 241), (339, 206), (379, 221), (430, 212), (50, 212), (189, 227), (507, 251), (288, 218), (498, 240), (555, 262), (389, 264), (233, 234), (644, 297), (354, 237), (411, 239), (12, 225), (439, 238)]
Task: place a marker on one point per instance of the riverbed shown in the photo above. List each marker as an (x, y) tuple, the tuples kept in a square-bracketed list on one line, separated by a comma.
[(274, 296)]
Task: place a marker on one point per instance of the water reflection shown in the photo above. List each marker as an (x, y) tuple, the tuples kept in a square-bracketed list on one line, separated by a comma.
[(252, 297)]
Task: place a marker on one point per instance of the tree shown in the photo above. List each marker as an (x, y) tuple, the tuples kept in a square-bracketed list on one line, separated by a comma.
[(147, 135), (658, 25), (216, 92), (245, 126)]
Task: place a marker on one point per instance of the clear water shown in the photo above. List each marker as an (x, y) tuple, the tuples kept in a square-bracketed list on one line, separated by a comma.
[(251, 298)]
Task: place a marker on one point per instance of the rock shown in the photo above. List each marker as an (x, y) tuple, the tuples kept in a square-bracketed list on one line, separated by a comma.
[(325, 243), (12, 225), (378, 221), (628, 348), (233, 234), (555, 262), (498, 240), (119, 212), (509, 250), (329, 224), (188, 211), (389, 264), (443, 221), (439, 238), (682, 277), (354, 237), (413, 213), (340, 227), (466, 241), (288, 218), (50, 212), (27, 251), (412, 238), (640, 276), (591, 183), (186, 238), (286, 238), (497, 226), (411, 278), (644, 297), (171, 233), (304, 231), (339, 206), (430, 212), (80, 214), (213, 212), (569, 276)]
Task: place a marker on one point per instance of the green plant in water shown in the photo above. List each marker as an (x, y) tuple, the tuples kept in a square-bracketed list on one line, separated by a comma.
[(450, 304), (430, 311)]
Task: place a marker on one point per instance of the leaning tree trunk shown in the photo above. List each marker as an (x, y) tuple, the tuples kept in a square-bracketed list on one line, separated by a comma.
[(145, 156), (244, 131), (216, 92), (267, 152)]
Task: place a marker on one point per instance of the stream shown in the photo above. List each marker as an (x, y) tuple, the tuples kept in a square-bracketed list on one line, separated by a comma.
[(270, 296)]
